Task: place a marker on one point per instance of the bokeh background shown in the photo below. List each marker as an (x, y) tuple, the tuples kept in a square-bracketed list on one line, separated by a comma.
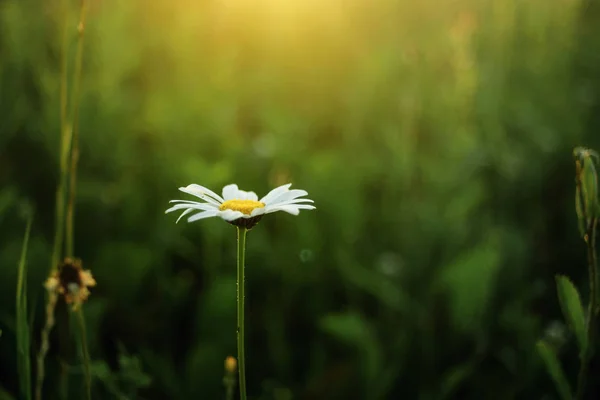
[(435, 137)]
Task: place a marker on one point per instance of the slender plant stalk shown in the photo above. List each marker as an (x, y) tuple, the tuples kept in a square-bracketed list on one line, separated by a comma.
[(64, 380), (66, 134), (66, 138), (241, 283), (84, 354), (69, 147), (74, 100), (592, 308), (45, 346), (74, 97), (230, 390), (72, 190), (229, 379), (23, 349)]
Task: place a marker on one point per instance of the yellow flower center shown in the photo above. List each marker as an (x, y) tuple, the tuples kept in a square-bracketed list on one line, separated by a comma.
[(244, 206)]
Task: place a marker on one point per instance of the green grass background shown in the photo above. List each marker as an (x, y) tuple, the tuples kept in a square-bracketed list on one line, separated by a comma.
[(434, 136)]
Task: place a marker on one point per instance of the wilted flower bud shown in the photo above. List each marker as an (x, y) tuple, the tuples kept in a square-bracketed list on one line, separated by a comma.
[(229, 378), (230, 365), (586, 178)]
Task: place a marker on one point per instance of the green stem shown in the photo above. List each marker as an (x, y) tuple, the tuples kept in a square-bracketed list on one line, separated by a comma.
[(85, 354), (590, 240), (241, 252), (74, 97), (229, 382), (23, 335), (229, 393), (45, 343), (63, 386), (65, 145), (71, 201)]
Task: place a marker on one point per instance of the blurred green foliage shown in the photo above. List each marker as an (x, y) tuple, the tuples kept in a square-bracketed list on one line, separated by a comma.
[(435, 138)]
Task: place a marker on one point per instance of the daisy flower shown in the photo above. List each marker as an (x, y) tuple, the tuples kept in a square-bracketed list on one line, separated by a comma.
[(244, 210), (238, 207)]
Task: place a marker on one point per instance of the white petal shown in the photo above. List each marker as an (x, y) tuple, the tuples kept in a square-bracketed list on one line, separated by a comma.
[(243, 195), (187, 202), (257, 211), (198, 193), (275, 193), (230, 215), (183, 201), (295, 201), (202, 215), (196, 206), (287, 196), (201, 190), (293, 209), (305, 206), (183, 214), (230, 191)]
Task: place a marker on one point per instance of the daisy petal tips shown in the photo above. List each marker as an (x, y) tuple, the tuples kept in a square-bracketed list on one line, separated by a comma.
[(239, 207)]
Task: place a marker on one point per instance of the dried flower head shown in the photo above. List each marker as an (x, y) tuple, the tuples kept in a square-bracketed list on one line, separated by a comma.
[(71, 281)]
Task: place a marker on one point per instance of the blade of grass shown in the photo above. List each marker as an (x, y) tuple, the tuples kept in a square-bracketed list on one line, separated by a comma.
[(555, 370), (66, 134), (74, 96), (23, 334), (570, 303), (70, 212)]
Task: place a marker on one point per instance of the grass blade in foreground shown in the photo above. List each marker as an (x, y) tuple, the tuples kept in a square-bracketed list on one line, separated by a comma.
[(555, 370), (570, 303), (23, 350)]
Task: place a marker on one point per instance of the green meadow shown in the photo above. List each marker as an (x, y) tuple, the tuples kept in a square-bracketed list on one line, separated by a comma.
[(446, 146)]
